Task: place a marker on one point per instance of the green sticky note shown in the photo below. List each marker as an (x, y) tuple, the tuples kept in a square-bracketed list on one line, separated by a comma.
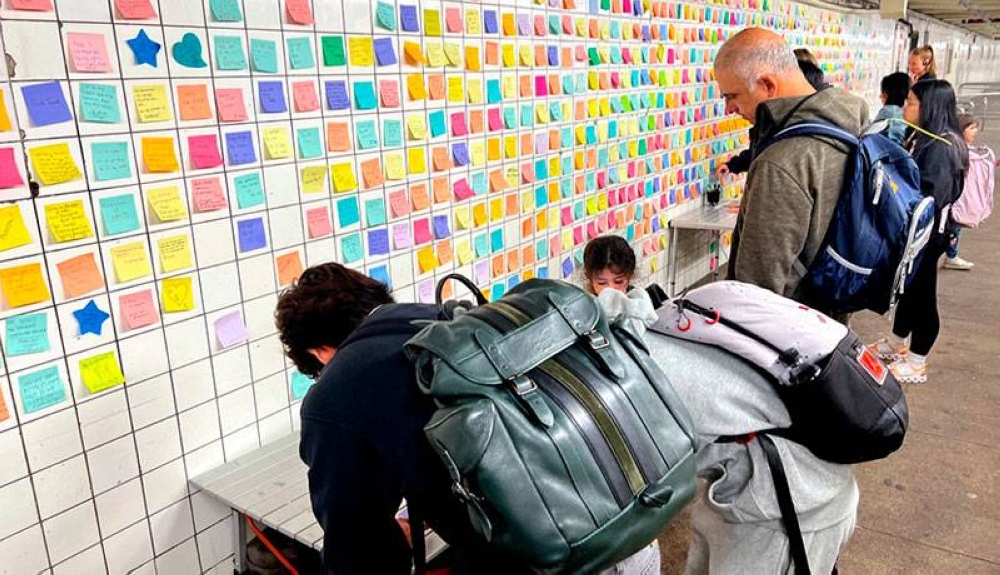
[(118, 214), (392, 133), (41, 389), (229, 53), (111, 161), (333, 51), (264, 55), (300, 54), (99, 103), (249, 191), (27, 334), (385, 15), (347, 212), (310, 143), (367, 135), (352, 248), (375, 212), (226, 10), (300, 384), (364, 96)]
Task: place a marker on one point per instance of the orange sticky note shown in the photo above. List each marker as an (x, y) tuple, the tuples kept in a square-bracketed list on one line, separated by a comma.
[(442, 159), (442, 190), (418, 195), (435, 85), (414, 53), (159, 155), (371, 172), (445, 252), (497, 180), (472, 62), (4, 413), (192, 99), (24, 285), (415, 87), (289, 268), (80, 275), (4, 116), (338, 137)]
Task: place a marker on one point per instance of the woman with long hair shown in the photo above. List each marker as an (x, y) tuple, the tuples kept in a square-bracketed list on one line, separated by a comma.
[(940, 152), (921, 64)]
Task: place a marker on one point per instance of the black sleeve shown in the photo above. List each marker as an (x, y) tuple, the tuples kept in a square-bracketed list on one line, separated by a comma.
[(938, 175), (353, 501), (741, 162)]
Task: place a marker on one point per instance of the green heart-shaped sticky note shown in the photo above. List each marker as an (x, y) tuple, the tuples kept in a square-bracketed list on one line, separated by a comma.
[(187, 52)]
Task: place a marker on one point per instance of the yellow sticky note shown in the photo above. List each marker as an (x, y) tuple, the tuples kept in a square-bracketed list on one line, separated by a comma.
[(465, 253), (507, 55), (417, 160), (427, 258), (343, 177), (54, 164), (527, 58), (493, 150), (395, 167), (167, 204), (432, 22), (509, 87), (510, 147), (435, 55), (151, 103), (4, 116), (475, 88), (477, 151), (24, 285), (453, 52), (101, 372), (177, 295), (415, 87), (479, 214), (361, 51), (456, 90), (416, 127), (159, 155), (313, 179), (277, 144), (464, 220), (175, 253), (67, 221), (13, 232), (130, 261), (473, 21), (496, 209)]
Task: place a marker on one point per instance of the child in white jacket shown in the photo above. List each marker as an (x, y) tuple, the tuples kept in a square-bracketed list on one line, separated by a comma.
[(608, 269)]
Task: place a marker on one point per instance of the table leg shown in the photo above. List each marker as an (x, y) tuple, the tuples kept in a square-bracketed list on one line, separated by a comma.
[(717, 238), (672, 261), (241, 539)]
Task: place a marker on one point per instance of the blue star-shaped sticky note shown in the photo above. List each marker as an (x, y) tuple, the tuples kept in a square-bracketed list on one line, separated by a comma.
[(144, 48), (91, 318)]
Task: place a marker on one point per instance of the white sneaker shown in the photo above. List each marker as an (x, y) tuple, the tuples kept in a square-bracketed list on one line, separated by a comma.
[(906, 372), (957, 263), (886, 351)]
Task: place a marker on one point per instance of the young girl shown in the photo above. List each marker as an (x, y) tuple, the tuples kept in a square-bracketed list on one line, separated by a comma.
[(977, 197), (942, 157), (608, 268)]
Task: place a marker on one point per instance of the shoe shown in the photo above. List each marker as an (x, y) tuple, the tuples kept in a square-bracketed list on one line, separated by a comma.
[(887, 351), (906, 372), (958, 263)]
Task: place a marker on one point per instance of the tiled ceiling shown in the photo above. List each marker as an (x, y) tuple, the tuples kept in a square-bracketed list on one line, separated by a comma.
[(981, 16)]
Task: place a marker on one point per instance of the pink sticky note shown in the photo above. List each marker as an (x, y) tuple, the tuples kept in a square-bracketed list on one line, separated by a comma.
[(204, 151), (229, 103), (305, 96), (592, 230), (541, 86), (567, 216), (318, 221), (207, 195), (33, 5), (399, 203), (453, 19), (458, 125), (401, 236), (138, 309), (540, 28), (422, 231), (10, 176), (577, 235), (230, 329), (299, 12), (88, 52), (389, 93), (528, 172), (462, 189), (135, 9), (493, 119)]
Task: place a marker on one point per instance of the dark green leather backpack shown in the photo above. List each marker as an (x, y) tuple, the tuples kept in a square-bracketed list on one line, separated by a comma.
[(564, 440)]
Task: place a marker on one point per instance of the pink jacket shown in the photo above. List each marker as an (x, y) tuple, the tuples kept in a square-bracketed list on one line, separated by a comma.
[(976, 201)]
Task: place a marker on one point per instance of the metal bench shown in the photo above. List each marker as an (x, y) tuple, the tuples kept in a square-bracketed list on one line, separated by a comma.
[(270, 486)]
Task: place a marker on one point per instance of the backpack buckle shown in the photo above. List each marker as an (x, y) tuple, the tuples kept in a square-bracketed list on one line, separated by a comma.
[(597, 340), (523, 385)]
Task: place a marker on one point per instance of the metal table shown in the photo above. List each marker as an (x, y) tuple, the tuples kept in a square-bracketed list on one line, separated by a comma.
[(716, 219)]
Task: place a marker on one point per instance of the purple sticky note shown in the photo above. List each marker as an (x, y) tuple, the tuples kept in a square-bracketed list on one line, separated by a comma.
[(490, 21), (230, 329), (441, 230), (523, 24), (378, 242), (460, 152), (567, 267), (541, 143), (425, 291), (240, 149), (385, 52), (336, 95), (408, 18), (272, 97), (251, 234), (553, 52), (401, 236), (46, 104), (481, 272)]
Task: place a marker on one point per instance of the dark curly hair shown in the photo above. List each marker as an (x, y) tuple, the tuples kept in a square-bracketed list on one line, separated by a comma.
[(322, 308), (608, 252)]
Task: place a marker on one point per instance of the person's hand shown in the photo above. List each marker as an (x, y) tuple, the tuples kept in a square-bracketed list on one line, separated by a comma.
[(722, 171)]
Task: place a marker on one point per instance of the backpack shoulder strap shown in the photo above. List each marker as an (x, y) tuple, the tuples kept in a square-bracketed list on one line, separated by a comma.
[(810, 129), (788, 515)]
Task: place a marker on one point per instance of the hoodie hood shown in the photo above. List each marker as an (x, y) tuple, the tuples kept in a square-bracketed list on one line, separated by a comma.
[(831, 105)]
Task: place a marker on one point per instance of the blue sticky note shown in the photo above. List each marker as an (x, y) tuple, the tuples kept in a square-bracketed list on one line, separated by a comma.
[(364, 95), (251, 234), (99, 103), (392, 131), (512, 281), (553, 53), (111, 161), (482, 245), (375, 212), (240, 148), (300, 384), (381, 274), (385, 15), (229, 53), (226, 10), (496, 239), (144, 49), (385, 52), (493, 93), (408, 18), (378, 242), (567, 267), (460, 153), (272, 97), (119, 214), (351, 248), (310, 143), (264, 55), (441, 230), (438, 126), (348, 212), (336, 95), (490, 21), (497, 291), (367, 134), (249, 191), (91, 318), (41, 389), (27, 334), (46, 104), (543, 273), (300, 54)]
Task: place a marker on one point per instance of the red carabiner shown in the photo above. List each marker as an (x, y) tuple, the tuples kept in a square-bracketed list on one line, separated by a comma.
[(715, 319), (685, 326)]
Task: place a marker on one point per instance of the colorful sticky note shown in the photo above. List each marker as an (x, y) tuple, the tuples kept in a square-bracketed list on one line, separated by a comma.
[(41, 389), (361, 51), (229, 53), (130, 261), (304, 96), (135, 9), (99, 103), (409, 20), (5, 125), (229, 102), (204, 151), (144, 49), (91, 318), (240, 149), (178, 295), (249, 191), (226, 10), (299, 12), (300, 384), (46, 104), (313, 179), (88, 52), (10, 175), (318, 222), (175, 253), (351, 248), (385, 15), (13, 232), (24, 285), (68, 221), (230, 329), (192, 100), (310, 143), (272, 97), (300, 54), (188, 51), (289, 267), (348, 213), (364, 96), (277, 144), (343, 177), (264, 55), (27, 334), (206, 194), (151, 104), (159, 155), (33, 5), (119, 214), (80, 275), (101, 372), (111, 161), (333, 51), (251, 234), (385, 52), (167, 204), (137, 309), (336, 95)]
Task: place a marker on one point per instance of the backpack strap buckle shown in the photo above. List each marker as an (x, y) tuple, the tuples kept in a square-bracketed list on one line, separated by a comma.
[(597, 340)]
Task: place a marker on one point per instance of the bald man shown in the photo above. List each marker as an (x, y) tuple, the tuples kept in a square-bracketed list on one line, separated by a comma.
[(793, 186)]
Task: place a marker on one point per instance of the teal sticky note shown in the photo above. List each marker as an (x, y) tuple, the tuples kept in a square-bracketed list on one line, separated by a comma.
[(226, 10), (364, 96), (493, 93), (99, 103), (496, 240), (352, 248), (41, 389), (482, 245), (385, 15), (542, 250), (392, 133), (478, 183), (310, 143), (229, 53), (527, 116), (300, 384), (375, 212), (437, 123), (367, 134), (119, 214), (111, 161), (509, 117), (348, 212), (27, 334), (249, 191), (264, 55), (300, 54)]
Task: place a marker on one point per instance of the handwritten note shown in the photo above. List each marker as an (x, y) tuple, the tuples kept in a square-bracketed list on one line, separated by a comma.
[(318, 222), (167, 204), (289, 267), (299, 12), (230, 329), (229, 53), (343, 177), (264, 55), (192, 100), (300, 54), (137, 309), (251, 235), (207, 195), (226, 10), (68, 221), (101, 372), (111, 161), (240, 149), (305, 97), (46, 104), (135, 9), (159, 155), (130, 261), (178, 295), (41, 389), (249, 191), (230, 104), (99, 103), (119, 214), (88, 52), (79, 275), (54, 164), (277, 144), (204, 151), (151, 103), (24, 285), (13, 232), (27, 334)]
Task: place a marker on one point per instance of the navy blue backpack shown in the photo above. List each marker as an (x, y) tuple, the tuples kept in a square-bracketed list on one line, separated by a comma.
[(879, 228)]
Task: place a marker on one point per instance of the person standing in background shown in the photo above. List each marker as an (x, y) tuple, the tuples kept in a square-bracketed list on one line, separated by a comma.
[(976, 201), (921, 64), (895, 87)]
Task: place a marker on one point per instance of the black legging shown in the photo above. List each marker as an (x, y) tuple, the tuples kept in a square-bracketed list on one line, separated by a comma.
[(917, 313)]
